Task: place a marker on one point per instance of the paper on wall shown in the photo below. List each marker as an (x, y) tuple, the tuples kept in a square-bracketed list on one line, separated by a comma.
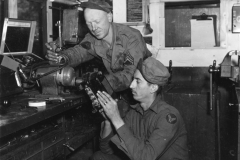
[(202, 33)]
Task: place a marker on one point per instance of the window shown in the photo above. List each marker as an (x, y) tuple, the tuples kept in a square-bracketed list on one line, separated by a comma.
[(178, 26)]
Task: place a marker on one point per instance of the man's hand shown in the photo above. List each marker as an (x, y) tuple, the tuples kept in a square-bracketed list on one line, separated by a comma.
[(51, 52), (110, 108), (101, 111)]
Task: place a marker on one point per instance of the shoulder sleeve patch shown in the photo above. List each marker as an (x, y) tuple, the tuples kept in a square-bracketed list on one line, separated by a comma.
[(86, 45), (171, 118)]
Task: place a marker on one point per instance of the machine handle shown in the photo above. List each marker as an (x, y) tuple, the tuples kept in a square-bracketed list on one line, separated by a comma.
[(69, 147), (211, 93), (59, 48), (212, 69)]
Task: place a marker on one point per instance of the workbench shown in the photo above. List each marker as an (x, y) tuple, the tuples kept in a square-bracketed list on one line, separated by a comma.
[(50, 132)]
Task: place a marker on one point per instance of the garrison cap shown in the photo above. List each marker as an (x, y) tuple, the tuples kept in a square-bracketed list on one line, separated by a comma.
[(153, 71), (97, 4)]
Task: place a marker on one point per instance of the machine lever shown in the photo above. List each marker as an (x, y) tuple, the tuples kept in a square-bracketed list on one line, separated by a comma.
[(69, 147), (211, 101), (59, 48), (212, 69)]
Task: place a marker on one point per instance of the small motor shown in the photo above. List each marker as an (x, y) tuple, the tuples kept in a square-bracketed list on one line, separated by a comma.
[(53, 83), (91, 82)]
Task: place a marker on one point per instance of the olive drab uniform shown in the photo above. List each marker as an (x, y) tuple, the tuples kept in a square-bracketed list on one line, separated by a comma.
[(120, 59), (158, 132)]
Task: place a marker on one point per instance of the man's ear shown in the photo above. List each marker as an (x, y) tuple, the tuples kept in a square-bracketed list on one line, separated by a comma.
[(154, 88), (110, 17)]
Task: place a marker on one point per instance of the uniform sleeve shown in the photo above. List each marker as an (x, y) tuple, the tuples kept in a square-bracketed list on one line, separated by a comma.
[(117, 140), (135, 50), (151, 148), (79, 53), (105, 144)]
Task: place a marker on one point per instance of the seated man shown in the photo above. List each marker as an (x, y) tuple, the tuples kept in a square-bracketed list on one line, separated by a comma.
[(152, 129)]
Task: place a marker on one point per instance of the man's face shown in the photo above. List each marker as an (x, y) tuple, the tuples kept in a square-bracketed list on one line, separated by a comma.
[(141, 89), (98, 22)]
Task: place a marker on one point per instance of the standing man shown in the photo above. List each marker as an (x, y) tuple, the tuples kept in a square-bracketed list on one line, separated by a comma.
[(118, 46), (152, 129)]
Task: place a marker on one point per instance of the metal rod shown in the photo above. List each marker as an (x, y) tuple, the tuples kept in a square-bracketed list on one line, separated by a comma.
[(218, 124), (60, 34), (211, 93)]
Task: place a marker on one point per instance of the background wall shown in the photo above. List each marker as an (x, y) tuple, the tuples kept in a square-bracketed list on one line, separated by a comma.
[(171, 40), (185, 56)]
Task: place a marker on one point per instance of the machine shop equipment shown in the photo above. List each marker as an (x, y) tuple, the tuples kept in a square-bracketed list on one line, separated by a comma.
[(27, 131), (60, 80), (57, 80), (229, 68)]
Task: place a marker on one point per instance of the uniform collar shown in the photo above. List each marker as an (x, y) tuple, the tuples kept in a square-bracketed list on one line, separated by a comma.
[(138, 108), (116, 32), (154, 106), (98, 42), (116, 45)]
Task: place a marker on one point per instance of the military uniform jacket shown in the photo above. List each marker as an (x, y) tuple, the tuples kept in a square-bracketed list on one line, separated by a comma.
[(120, 60), (146, 134)]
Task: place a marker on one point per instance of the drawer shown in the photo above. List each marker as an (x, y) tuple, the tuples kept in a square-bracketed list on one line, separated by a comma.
[(36, 157), (27, 150), (55, 151), (7, 157), (52, 138), (60, 157)]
